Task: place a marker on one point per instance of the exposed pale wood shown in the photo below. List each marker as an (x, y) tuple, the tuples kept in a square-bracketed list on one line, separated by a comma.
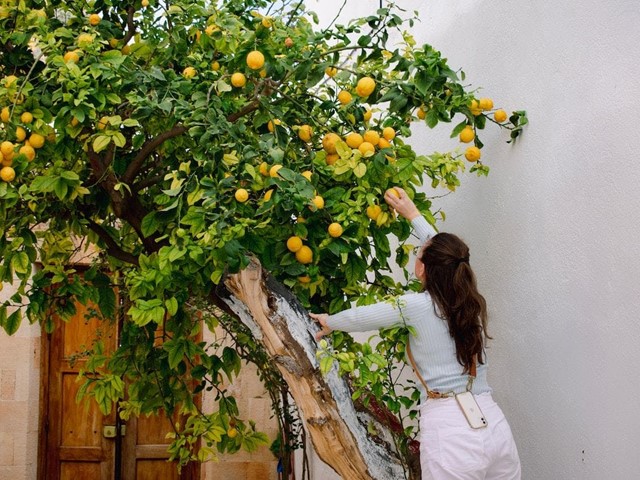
[(338, 432)]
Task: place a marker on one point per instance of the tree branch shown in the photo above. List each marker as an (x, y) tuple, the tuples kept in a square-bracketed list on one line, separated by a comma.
[(246, 110), (113, 249), (131, 26), (147, 149), (146, 182)]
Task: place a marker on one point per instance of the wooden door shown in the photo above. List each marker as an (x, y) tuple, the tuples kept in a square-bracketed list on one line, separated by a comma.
[(145, 454), (72, 441), (72, 444)]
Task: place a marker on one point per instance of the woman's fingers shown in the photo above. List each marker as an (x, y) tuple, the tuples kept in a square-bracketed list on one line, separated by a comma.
[(321, 318)]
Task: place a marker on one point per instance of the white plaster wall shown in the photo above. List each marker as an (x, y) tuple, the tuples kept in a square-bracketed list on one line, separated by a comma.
[(554, 229)]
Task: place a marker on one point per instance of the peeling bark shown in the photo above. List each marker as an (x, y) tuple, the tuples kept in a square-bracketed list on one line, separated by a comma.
[(338, 431)]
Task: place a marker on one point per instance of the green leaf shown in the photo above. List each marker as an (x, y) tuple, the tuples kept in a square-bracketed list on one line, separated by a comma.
[(61, 188), (326, 363), (172, 306), (12, 323), (20, 263), (360, 170), (100, 143), (150, 224), (176, 352), (432, 118)]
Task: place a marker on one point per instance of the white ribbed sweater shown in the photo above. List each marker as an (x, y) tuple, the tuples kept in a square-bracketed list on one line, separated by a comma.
[(433, 348)]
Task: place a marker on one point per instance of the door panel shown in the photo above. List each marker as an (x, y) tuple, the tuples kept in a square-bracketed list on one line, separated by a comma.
[(75, 445)]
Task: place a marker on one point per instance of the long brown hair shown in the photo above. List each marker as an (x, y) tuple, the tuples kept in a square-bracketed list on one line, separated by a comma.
[(452, 286)]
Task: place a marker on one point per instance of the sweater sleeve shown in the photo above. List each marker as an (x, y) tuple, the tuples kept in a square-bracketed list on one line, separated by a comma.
[(368, 317), (422, 229), (379, 315)]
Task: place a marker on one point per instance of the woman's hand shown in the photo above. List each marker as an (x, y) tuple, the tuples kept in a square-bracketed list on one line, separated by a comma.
[(321, 318), (402, 204)]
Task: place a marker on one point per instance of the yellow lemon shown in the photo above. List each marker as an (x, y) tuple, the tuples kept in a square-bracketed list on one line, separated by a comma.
[(472, 154), (500, 116), (367, 115), (215, 66), (94, 19), (392, 191), (6, 148), (485, 103), (373, 211), (305, 132), (467, 135), (27, 151), (267, 195), (241, 195), (331, 71), (26, 118), (354, 140), (103, 122), (189, 72), (384, 143), (335, 230), (304, 255), (232, 433), (273, 171), (318, 201), (144, 3), (332, 158), (294, 244), (21, 134), (365, 86), (10, 80), (366, 148), (329, 142), (238, 80), (388, 133), (7, 174), (71, 57), (36, 140), (85, 39), (5, 115), (266, 22), (255, 60), (271, 125), (421, 113), (474, 106), (307, 174), (304, 279), (372, 137), (264, 169), (344, 97)]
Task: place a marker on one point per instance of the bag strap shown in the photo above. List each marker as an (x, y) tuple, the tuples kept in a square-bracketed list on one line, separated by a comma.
[(433, 393)]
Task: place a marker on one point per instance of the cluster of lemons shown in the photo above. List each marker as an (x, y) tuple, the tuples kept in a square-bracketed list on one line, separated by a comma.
[(255, 61), (366, 142), (26, 143), (467, 135)]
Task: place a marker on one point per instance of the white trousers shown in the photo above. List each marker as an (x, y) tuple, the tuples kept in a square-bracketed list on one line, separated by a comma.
[(451, 450)]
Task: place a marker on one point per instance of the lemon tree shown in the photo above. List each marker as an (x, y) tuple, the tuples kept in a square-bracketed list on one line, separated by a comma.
[(184, 140)]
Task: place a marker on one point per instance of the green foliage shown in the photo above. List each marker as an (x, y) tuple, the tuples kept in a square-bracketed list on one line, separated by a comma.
[(146, 141)]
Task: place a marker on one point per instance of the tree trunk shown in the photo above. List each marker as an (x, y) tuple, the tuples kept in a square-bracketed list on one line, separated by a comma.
[(338, 431)]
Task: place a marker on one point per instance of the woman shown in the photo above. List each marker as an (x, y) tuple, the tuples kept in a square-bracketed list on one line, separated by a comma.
[(449, 318)]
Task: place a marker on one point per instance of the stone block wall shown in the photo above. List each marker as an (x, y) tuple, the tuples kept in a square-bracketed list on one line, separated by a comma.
[(19, 398)]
